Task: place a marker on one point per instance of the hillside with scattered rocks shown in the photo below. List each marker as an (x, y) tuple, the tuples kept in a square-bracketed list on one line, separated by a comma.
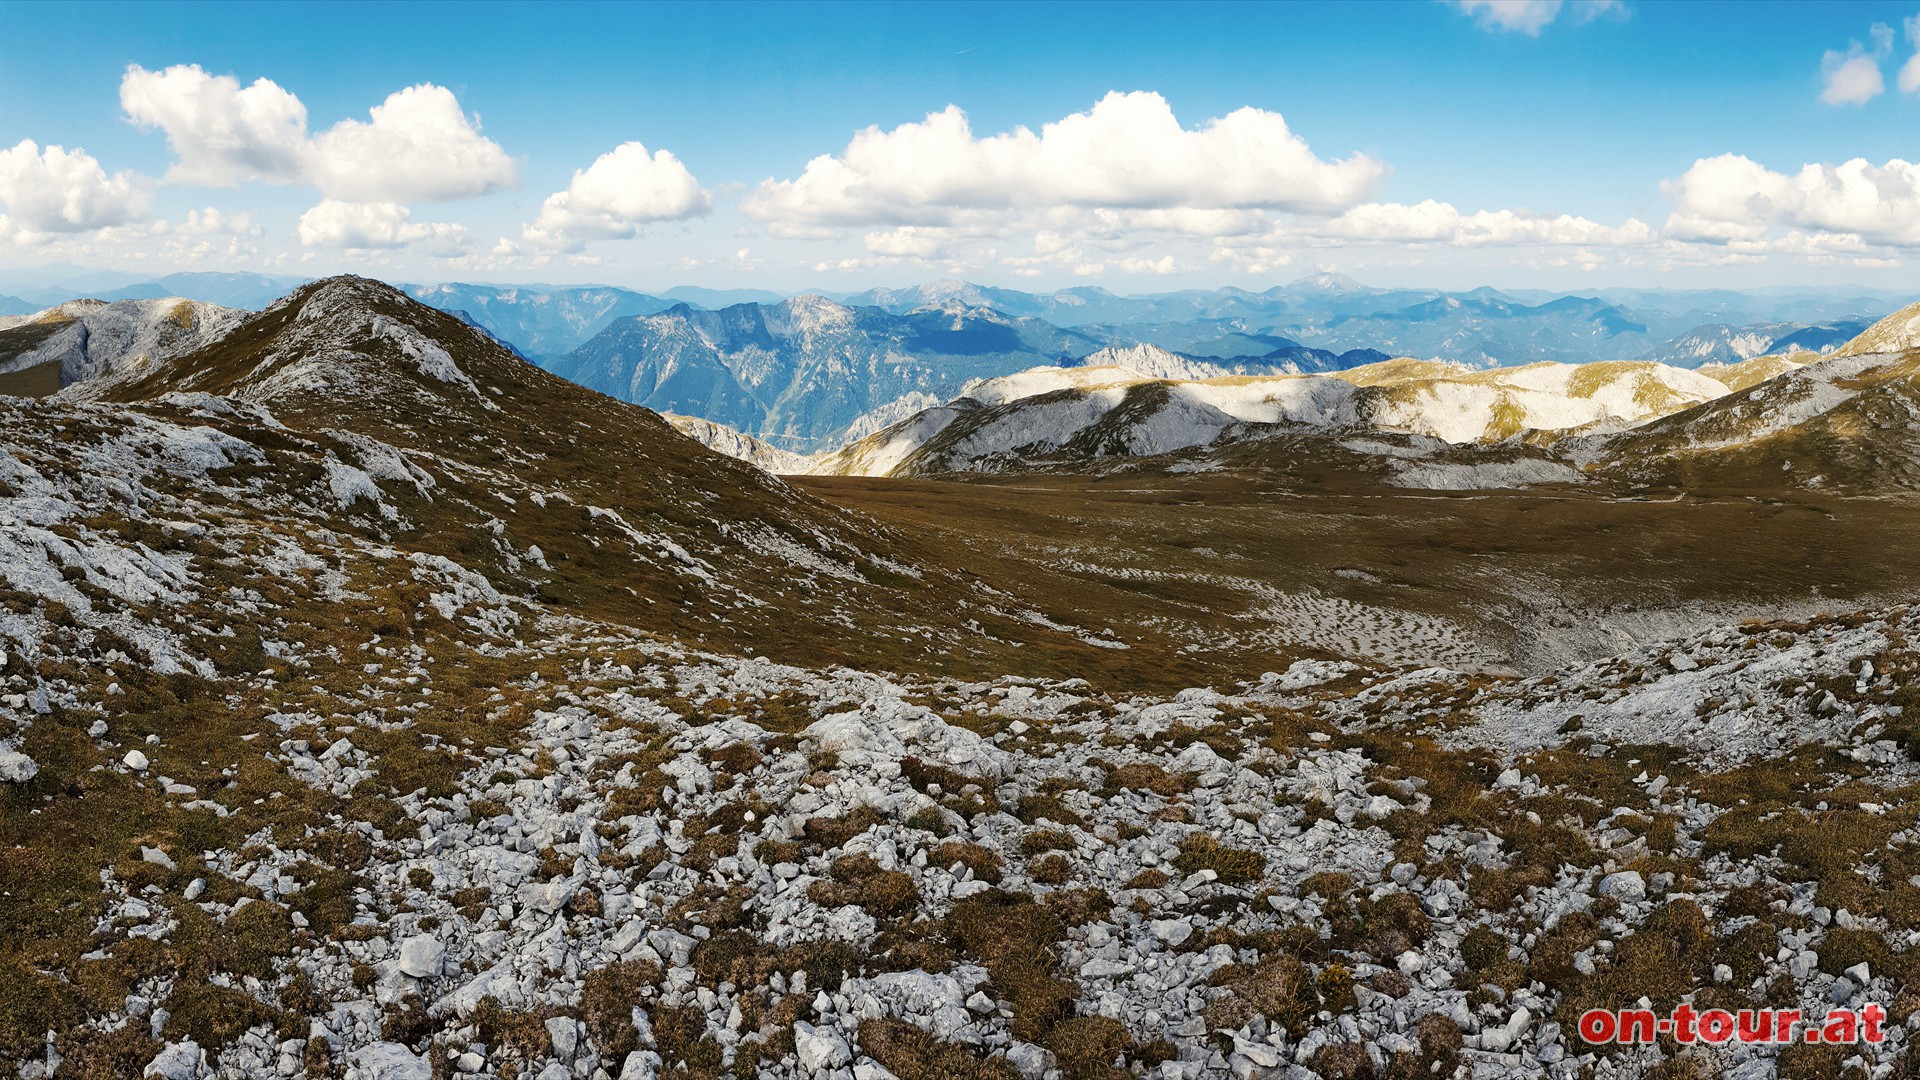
[(375, 705)]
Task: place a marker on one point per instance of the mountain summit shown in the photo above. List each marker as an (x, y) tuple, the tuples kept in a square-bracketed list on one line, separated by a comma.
[(382, 415)]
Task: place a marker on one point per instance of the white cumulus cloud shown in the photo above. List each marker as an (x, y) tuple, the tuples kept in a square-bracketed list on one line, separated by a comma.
[(1853, 77), (1732, 198), (222, 134), (363, 226), (1129, 152), (623, 191), (418, 145), (58, 190)]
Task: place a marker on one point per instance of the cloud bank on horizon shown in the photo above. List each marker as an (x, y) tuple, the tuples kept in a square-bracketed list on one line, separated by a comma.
[(1123, 186)]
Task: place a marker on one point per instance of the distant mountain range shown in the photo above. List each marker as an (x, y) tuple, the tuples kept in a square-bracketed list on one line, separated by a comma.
[(810, 373), (539, 320), (234, 290), (802, 373), (1844, 421), (1484, 327)]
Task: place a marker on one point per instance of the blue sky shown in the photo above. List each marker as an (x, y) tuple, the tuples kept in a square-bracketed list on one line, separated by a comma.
[(1446, 144)]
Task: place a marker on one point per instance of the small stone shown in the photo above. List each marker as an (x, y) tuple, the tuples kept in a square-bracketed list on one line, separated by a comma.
[(1378, 807), (1625, 886), (1262, 1054), (136, 761), (818, 1048), (17, 768), (96, 729), (195, 890), (1803, 964), (1171, 931), (179, 1061), (1860, 973), (565, 1035), (157, 857), (422, 957), (1517, 1023), (388, 1061), (1032, 1061), (640, 1065)]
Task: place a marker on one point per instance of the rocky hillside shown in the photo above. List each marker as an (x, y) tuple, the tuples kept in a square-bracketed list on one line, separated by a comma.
[(1797, 420), (374, 704), (1090, 412), (725, 440), (1847, 423), (95, 343), (1897, 333), (487, 846), (1723, 344), (427, 435), (1755, 371), (1287, 359)]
